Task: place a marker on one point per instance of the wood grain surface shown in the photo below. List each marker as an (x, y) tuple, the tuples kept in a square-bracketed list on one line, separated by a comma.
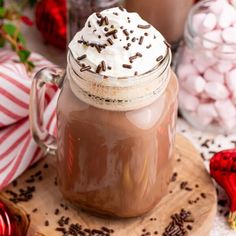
[(46, 199)]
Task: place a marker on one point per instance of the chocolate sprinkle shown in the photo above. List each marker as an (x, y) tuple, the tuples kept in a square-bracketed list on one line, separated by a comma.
[(144, 26), (141, 40), (112, 32), (82, 57), (98, 14), (106, 20), (99, 68), (127, 66), (121, 8), (159, 58), (126, 33), (46, 223), (98, 48), (110, 41), (86, 68), (56, 212), (103, 64), (139, 54), (35, 210)]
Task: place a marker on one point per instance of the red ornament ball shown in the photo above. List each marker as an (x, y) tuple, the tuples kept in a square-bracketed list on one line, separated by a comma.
[(5, 221), (51, 21)]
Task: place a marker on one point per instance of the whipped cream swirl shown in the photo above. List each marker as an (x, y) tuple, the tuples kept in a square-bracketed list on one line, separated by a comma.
[(117, 43)]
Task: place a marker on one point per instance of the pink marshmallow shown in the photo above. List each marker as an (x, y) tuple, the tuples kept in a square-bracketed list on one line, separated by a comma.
[(231, 81), (223, 67), (212, 75), (187, 101), (217, 6), (227, 16), (186, 55), (225, 52), (194, 84), (184, 70), (212, 38), (229, 35), (202, 63), (216, 90), (204, 120), (229, 124), (198, 21), (209, 23), (207, 110), (225, 109)]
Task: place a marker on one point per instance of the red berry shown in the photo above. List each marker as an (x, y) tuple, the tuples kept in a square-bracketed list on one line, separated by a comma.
[(26, 20)]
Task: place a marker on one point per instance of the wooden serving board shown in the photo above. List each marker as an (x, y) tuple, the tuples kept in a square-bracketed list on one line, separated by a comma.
[(187, 163)]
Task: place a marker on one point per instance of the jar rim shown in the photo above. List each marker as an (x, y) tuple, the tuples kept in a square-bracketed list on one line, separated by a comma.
[(160, 67), (202, 6)]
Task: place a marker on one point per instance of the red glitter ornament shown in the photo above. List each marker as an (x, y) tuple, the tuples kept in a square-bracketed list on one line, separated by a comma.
[(5, 221), (13, 220), (223, 170), (51, 21)]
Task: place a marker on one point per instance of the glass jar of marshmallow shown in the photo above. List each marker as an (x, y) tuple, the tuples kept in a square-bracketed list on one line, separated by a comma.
[(206, 67)]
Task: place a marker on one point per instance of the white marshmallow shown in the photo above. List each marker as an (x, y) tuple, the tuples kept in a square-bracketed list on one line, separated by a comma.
[(229, 35), (212, 75), (225, 109), (231, 81), (187, 101), (229, 124), (194, 84), (204, 120), (198, 21), (209, 22), (225, 52), (223, 67), (187, 56), (216, 90), (207, 110), (212, 39), (217, 6), (201, 63), (184, 70), (227, 16)]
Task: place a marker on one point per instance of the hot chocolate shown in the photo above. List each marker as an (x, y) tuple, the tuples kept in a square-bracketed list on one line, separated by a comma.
[(117, 163), (168, 16), (116, 116)]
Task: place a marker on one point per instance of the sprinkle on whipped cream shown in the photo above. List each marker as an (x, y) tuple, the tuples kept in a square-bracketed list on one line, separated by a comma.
[(117, 43)]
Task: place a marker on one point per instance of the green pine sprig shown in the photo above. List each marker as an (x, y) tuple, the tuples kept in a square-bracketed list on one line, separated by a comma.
[(10, 18)]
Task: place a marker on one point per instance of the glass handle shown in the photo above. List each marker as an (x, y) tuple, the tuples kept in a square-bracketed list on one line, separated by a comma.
[(53, 76)]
